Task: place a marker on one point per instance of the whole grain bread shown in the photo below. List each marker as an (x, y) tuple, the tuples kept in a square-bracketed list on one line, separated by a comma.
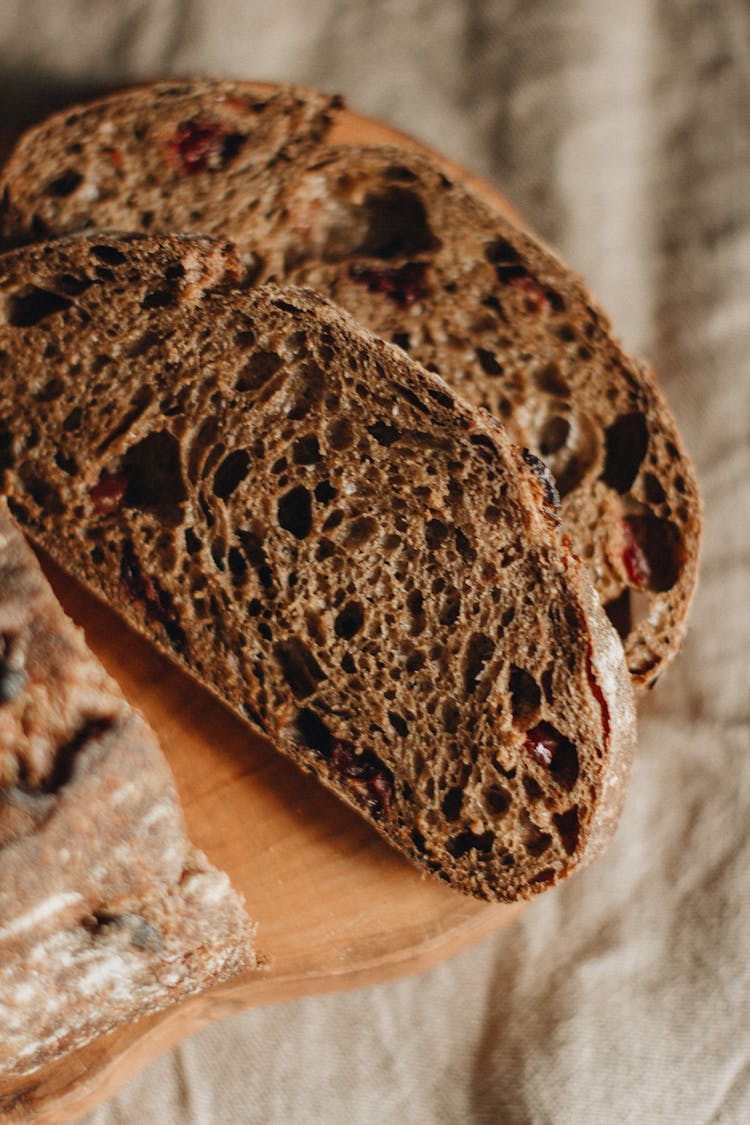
[(149, 157), (329, 539), (107, 912), (420, 261)]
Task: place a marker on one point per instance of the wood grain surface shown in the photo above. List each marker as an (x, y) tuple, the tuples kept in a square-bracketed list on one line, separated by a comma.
[(336, 907)]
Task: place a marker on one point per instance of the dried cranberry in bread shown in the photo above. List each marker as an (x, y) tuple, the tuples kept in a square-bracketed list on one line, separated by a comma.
[(329, 539), (151, 156), (107, 912)]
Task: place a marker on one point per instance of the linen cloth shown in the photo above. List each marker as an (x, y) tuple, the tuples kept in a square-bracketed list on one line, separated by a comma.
[(622, 133)]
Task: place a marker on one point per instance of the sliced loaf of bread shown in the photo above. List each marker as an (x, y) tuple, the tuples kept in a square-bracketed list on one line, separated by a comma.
[(329, 539), (422, 262), (107, 912)]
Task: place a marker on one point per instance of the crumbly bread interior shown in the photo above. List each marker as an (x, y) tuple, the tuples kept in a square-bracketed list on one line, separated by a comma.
[(420, 261), (148, 158), (329, 539), (107, 911)]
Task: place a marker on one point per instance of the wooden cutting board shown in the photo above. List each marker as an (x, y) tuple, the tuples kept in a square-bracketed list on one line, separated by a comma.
[(336, 908)]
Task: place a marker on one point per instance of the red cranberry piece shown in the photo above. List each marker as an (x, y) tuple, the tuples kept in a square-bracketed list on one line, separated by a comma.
[(108, 493), (368, 779), (634, 559), (551, 749), (402, 284), (541, 743), (198, 145), (537, 300)]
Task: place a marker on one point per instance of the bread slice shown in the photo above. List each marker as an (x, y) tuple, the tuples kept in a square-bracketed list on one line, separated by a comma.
[(422, 262), (319, 530), (107, 912), (419, 260), (151, 156)]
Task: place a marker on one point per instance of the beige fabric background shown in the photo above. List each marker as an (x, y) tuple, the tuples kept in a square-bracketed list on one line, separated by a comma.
[(622, 131)]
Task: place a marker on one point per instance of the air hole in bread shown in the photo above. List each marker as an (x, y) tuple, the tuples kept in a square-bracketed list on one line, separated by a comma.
[(451, 607), (159, 299), (398, 723), (299, 666), (653, 489), (568, 828), (64, 184), (383, 433), (535, 841), (396, 226), (52, 390), (154, 475), (34, 305), (68, 465), (498, 800), (654, 552), (236, 563), (525, 696), (42, 492), (309, 729), (488, 362), (470, 841), (295, 512), (349, 620), (451, 804), (626, 442), (258, 370), (108, 254), (230, 473), (532, 788), (192, 542), (618, 612), (324, 492), (71, 284), (479, 649), (306, 450)]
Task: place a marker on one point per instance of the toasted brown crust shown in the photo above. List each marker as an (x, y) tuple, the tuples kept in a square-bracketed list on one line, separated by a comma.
[(107, 912), (356, 561)]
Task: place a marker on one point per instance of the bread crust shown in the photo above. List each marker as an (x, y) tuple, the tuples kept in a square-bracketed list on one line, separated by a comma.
[(107, 912), (356, 561)]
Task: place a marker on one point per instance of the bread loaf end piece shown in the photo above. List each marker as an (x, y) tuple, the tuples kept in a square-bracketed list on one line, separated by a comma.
[(107, 912)]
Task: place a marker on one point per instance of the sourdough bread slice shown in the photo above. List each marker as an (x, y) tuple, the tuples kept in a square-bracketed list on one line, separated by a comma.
[(329, 539), (107, 912), (150, 157), (419, 260)]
